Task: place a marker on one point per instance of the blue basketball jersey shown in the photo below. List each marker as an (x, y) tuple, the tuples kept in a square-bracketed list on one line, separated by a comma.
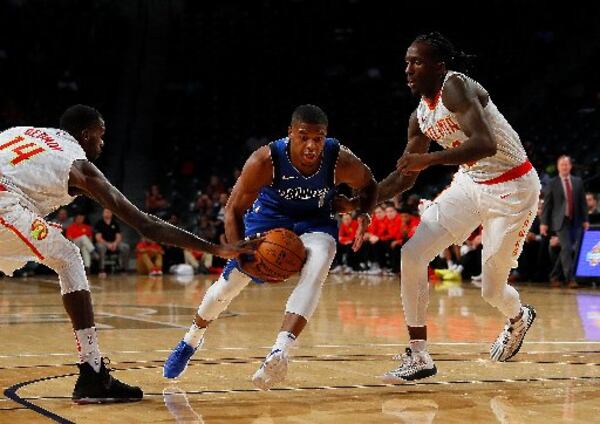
[(300, 203)]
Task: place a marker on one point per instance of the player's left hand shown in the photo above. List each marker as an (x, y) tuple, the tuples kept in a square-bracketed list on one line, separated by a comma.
[(413, 162), (363, 223), (586, 226), (244, 247)]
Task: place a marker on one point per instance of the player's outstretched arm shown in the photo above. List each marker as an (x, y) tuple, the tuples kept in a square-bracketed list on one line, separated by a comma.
[(397, 182), (352, 171), (256, 173), (87, 179)]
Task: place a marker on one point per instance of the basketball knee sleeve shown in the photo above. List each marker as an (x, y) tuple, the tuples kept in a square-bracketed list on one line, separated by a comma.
[(496, 291), (70, 269), (320, 249), (221, 293)]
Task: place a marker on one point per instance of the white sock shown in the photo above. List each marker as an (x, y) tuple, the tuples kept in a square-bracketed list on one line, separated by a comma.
[(194, 336), (418, 345), (87, 346), (284, 341)]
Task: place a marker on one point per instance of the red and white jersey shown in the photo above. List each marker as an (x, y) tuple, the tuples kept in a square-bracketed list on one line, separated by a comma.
[(441, 125), (35, 164)]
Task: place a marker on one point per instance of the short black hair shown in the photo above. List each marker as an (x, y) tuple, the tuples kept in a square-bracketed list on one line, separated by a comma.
[(310, 114), (445, 51), (77, 118)]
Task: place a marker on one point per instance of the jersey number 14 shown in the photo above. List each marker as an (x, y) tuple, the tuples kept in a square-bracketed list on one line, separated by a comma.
[(22, 149)]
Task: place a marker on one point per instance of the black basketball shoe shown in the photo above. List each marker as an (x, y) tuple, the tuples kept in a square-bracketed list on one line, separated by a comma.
[(101, 387)]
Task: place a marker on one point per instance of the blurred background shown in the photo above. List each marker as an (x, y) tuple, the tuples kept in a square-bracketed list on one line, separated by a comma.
[(189, 88)]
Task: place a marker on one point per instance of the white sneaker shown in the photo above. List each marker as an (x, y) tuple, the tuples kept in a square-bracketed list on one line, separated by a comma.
[(414, 366), (511, 338), (272, 371)]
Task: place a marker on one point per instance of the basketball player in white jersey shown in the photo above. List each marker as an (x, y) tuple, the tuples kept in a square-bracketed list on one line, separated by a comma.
[(42, 169), (495, 186)]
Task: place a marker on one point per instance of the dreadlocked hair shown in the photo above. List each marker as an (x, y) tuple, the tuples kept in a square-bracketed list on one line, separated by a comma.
[(456, 60)]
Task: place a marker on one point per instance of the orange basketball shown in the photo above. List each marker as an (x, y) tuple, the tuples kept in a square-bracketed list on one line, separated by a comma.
[(278, 257)]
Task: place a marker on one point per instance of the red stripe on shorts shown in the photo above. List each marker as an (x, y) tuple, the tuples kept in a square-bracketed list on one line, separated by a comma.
[(511, 174), (22, 237)]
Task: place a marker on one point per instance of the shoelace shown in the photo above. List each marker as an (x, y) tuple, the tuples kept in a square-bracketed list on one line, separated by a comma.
[(106, 362), (512, 327), (404, 357), (273, 352)]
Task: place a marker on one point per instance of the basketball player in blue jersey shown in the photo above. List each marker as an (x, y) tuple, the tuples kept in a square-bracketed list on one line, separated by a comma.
[(291, 184)]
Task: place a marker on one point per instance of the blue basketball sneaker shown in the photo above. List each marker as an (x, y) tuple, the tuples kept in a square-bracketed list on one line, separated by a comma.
[(178, 360)]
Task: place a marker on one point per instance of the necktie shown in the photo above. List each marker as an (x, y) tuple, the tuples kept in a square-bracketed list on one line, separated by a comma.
[(569, 193)]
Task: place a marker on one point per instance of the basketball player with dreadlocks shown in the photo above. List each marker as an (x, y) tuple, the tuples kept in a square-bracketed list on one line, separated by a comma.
[(495, 186)]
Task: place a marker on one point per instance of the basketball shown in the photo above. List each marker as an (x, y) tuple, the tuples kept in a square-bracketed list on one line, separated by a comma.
[(278, 257)]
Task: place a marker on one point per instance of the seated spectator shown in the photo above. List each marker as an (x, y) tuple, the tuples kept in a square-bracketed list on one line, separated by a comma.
[(110, 239), (218, 207), (412, 204), (375, 247), (393, 238), (149, 257), (199, 261), (410, 222), (81, 235), (62, 218), (591, 199), (347, 232), (204, 228), (155, 202), (202, 205), (215, 186)]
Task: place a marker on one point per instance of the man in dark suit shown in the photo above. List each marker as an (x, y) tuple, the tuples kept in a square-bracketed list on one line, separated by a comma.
[(565, 212)]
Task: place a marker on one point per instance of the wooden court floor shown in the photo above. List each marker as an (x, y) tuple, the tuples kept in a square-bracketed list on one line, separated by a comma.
[(333, 378)]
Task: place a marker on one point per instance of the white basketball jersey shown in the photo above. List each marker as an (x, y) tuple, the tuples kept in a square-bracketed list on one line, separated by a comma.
[(441, 125), (35, 164)]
